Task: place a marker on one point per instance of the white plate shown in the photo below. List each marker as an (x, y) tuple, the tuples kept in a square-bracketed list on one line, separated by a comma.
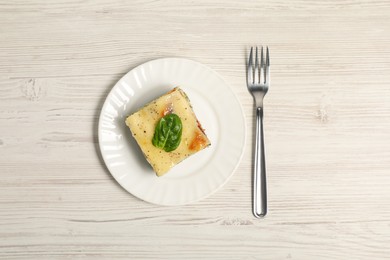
[(216, 107)]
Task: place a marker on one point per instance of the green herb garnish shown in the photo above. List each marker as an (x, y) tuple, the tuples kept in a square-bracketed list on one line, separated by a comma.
[(167, 134)]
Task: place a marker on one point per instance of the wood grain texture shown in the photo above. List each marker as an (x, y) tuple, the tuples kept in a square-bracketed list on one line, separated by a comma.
[(327, 124)]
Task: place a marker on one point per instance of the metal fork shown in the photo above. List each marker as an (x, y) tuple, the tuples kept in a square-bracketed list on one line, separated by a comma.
[(258, 79)]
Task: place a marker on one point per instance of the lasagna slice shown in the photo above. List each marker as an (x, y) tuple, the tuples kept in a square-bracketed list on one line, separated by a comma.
[(167, 131)]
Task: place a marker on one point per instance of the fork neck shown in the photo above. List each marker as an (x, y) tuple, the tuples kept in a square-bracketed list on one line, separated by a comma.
[(258, 97), (259, 111), (259, 103)]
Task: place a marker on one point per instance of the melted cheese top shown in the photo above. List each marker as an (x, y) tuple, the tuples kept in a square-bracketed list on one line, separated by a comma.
[(143, 122)]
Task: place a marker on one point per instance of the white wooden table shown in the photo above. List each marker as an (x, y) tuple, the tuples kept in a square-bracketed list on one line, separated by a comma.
[(327, 126)]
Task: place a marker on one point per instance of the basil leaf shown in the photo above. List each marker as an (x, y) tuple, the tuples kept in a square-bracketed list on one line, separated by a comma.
[(167, 134)]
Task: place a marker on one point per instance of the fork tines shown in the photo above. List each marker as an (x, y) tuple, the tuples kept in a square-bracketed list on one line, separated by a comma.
[(261, 71)]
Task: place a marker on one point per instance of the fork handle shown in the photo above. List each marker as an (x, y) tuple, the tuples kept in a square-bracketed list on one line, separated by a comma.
[(259, 179)]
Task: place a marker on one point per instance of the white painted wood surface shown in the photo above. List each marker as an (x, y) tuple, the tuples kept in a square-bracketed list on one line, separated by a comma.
[(327, 128)]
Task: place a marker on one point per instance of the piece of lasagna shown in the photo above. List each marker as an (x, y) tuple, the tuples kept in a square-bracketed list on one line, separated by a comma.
[(167, 131)]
